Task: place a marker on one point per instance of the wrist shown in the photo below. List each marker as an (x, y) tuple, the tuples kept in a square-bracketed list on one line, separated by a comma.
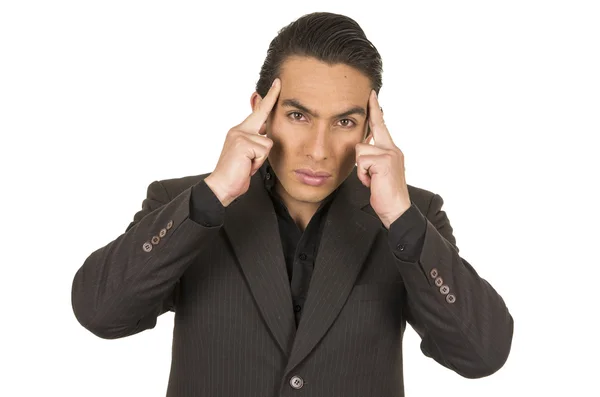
[(216, 188), (388, 219)]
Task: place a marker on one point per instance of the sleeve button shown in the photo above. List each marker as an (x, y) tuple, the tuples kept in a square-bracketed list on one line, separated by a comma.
[(433, 273)]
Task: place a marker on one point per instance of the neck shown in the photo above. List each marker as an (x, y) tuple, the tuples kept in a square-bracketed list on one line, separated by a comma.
[(300, 211)]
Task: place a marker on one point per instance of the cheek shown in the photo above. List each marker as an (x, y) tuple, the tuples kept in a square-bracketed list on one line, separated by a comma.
[(350, 154), (277, 127), (277, 133), (350, 147), (274, 130), (284, 136)]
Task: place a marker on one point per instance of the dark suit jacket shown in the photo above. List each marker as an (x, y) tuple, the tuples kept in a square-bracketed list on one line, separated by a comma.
[(234, 331)]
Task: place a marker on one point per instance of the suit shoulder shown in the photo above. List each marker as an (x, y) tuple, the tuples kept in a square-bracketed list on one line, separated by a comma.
[(420, 192), (420, 197), (174, 186)]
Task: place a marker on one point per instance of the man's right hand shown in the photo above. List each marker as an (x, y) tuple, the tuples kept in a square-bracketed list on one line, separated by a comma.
[(245, 149)]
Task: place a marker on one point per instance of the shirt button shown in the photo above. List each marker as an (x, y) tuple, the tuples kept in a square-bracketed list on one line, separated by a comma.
[(297, 308), (296, 382), (303, 256), (267, 176)]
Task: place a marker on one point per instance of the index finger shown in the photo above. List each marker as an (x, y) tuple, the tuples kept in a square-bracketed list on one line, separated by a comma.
[(261, 113), (381, 135)]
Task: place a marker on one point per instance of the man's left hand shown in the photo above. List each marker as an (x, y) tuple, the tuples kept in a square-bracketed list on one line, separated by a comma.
[(381, 167)]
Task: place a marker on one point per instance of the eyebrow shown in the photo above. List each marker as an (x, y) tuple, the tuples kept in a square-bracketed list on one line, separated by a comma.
[(294, 103)]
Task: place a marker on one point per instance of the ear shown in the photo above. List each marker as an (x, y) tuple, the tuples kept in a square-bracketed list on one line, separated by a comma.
[(255, 100)]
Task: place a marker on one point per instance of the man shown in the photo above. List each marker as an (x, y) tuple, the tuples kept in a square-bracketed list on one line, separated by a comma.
[(294, 266)]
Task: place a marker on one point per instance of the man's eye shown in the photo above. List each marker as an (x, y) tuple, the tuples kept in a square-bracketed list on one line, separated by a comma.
[(347, 123), (296, 115)]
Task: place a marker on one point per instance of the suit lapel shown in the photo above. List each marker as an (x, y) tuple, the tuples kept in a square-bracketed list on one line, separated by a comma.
[(252, 227), (348, 235)]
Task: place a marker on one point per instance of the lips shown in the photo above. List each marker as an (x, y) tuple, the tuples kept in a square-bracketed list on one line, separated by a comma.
[(314, 174), (312, 178)]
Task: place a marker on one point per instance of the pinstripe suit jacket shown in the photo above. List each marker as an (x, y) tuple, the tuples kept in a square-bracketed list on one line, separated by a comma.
[(234, 331)]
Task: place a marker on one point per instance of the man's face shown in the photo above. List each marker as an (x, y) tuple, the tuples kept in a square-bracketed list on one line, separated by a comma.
[(320, 116)]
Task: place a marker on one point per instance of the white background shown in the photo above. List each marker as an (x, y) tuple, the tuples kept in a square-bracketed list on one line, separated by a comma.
[(494, 104)]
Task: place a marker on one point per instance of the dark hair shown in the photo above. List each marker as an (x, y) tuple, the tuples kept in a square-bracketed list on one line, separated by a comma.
[(328, 37)]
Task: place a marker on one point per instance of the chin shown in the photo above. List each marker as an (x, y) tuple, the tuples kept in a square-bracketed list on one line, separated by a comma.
[(309, 194)]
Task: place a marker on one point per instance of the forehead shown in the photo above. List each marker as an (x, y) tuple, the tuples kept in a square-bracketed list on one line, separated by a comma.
[(323, 87)]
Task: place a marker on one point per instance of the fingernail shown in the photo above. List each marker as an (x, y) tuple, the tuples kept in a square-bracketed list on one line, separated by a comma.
[(274, 81)]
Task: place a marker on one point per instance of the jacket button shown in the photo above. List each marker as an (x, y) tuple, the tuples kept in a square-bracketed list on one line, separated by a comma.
[(450, 298), (296, 382), (439, 282), (169, 225), (444, 289), (400, 247), (162, 233), (155, 240), (433, 273), (147, 247)]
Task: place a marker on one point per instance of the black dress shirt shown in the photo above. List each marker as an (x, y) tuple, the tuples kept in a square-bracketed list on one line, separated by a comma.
[(406, 234)]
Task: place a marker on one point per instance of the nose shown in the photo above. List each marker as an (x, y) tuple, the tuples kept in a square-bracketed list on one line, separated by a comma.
[(317, 145)]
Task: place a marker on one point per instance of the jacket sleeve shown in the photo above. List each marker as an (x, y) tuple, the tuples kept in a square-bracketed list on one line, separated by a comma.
[(463, 322), (123, 287)]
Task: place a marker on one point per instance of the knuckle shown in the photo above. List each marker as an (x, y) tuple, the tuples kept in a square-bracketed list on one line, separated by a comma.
[(234, 132), (266, 140), (259, 148)]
